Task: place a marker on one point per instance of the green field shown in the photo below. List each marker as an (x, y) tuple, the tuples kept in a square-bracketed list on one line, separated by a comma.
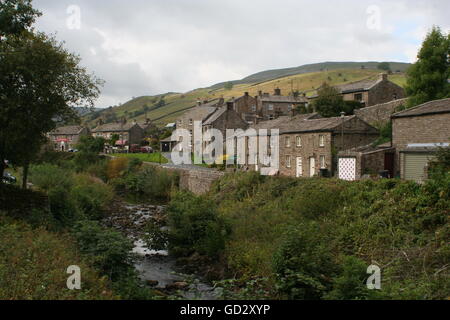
[(146, 157)]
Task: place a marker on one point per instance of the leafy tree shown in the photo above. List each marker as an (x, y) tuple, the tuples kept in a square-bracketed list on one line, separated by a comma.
[(229, 85), (428, 77), (16, 16), (40, 81), (385, 66), (91, 144), (329, 102)]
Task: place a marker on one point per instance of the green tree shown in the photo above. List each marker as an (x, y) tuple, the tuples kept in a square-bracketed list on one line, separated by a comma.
[(385, 66), (428, 77), (229, 85), (40, 81), (329, 102), (91, 144), (16, 16)]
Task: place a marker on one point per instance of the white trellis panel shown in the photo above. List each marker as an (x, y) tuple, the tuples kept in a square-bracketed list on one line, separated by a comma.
[(347, 169)]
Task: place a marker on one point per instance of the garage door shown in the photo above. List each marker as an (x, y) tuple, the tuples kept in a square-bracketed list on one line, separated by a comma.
[(347, 169), (415, 164)]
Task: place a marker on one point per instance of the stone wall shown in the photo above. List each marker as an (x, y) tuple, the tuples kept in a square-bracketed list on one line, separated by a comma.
[(198, 181), (380, 113)]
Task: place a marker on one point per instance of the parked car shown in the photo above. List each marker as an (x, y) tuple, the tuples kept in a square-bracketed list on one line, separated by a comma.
[(147, 149), (135, 148), (9, 178)]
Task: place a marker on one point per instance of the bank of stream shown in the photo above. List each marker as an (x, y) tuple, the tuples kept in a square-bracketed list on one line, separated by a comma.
[(157, 269)]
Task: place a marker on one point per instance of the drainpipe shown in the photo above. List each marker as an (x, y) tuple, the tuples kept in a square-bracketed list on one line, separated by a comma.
[(342, 135)]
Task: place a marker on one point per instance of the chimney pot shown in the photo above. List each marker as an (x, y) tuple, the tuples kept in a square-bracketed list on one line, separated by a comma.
[(230, 106), (246, 94)]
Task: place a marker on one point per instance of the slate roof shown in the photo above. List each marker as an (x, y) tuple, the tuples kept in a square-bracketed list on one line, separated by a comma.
[(432, 107), (114, 127), (286, 99), (67, 130), (362, 85), (313, 125), (214, 116)]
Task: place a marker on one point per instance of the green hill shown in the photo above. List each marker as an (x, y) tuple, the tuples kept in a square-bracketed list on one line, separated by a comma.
[(166, 108)]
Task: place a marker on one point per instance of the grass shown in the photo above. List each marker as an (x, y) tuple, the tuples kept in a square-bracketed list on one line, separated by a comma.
[(146, 157)]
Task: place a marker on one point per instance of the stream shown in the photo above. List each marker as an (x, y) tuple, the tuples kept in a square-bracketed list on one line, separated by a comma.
[(157, 269)]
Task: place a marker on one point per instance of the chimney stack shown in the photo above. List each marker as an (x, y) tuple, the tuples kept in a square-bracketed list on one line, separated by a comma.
[(230, 105), (260, 93), (277, 92), (199, 103), (384, 76)]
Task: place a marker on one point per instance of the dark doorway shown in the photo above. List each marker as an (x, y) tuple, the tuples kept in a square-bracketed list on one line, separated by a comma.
[(389, 163)]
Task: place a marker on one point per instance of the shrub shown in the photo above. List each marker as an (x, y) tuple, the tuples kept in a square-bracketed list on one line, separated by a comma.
[(304, 263), (91, 196), (47, 176), (194, 226), (116, 168), (33, 264)]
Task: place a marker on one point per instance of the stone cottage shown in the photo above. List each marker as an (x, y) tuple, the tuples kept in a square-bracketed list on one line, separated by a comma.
[(66, 138), (309, 147), (370, 92), (416, 134), (129, 133), (273, 106)]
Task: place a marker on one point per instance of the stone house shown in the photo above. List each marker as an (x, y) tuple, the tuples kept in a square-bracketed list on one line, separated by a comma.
[(416, 135), (380, 114), (310, 147), (273, 106), (246, 107), (370, 92), (66, 138), (129, 133), (198, 113)]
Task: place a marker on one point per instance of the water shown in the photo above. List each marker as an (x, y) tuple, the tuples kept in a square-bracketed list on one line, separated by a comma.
[(157, 267)]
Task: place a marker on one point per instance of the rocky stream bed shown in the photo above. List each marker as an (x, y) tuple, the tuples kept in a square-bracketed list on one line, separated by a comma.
[(157, 269)]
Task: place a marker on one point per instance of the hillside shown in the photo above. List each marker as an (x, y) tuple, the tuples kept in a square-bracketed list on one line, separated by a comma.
[(303, 80)]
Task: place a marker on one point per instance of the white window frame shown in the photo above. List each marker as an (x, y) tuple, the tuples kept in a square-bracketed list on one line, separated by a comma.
[(323, 162), (321, 140), (287, 142), (288, 161), (298, 141)]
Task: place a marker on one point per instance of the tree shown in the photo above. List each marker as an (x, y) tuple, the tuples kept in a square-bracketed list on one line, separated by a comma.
[(40, 81), (89, 144), (229, 85), (16, 16), (329, 102), (428, 78), (385, 66)]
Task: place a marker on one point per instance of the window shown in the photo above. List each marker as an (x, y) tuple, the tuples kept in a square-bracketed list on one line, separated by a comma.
[(253, 108), (180, 122), (290, 107), (321, 140), (288, 142), (190, 122), (270, 107), (299, 141), (288, 161), (358, 97), (323, 165), (190, 133)]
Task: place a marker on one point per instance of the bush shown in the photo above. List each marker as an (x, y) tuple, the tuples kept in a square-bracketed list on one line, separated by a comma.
[(116, 168), (47, 176), (91, 196), (194, 226), (304, 263), (33, 264), (351, 283)]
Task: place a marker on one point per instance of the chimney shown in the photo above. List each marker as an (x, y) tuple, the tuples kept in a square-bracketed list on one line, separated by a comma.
[(277, 92), (199, 103), (230, 105), (246, 94), (260, 93), (221, 102), (384, 76)]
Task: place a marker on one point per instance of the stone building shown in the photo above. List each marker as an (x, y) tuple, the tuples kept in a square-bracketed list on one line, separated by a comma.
[(370, 92), (198, 113), (129, 133), (354, 164), (66, 138), (381, 113), (273, 106), (246, 107), (309, 147), (416, 134)]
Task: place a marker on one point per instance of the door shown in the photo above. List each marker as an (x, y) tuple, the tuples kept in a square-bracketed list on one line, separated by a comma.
[(312, 167), (347, 169), (389, 163), (299, 167), (414, 164)]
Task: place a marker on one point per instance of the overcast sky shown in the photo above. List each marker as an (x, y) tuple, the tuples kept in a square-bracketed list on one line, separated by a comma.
[(147, 47)]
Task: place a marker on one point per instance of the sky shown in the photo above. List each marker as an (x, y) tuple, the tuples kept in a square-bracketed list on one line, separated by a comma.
[(149, 47)]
